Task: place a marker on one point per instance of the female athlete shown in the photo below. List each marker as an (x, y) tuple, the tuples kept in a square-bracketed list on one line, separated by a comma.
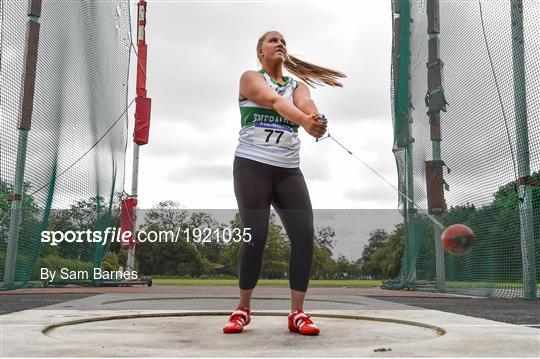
[(266, 171)]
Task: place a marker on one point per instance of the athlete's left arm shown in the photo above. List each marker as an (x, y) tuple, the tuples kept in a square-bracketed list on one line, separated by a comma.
[(302, 99)]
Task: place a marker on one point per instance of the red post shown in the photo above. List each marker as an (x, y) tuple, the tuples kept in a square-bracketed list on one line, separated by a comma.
[(143, 104), (142, 118), (141, 48)]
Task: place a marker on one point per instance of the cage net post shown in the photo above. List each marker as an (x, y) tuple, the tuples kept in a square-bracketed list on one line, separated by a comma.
[(403, 142), (435, 103), (142, 121), (26, 108), (522, 145)]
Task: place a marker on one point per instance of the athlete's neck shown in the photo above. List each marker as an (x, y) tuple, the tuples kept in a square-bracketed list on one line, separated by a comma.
[(275, 72)]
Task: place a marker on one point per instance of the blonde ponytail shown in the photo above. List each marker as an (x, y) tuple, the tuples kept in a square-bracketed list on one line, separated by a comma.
[(313, 74), (310, 73)]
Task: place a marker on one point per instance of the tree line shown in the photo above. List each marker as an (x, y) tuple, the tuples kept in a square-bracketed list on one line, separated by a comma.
[(198, 258), (496, 253)]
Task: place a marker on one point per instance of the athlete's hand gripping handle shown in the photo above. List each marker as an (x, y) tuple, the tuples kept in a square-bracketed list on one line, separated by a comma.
[(324, 120), (314, 126)]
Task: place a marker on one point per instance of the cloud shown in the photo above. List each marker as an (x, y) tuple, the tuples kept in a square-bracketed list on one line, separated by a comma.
[(370, 193), (207, 173)]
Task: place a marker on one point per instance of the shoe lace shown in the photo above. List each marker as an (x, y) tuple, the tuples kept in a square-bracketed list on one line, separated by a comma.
[(306, 319), (234, 318)]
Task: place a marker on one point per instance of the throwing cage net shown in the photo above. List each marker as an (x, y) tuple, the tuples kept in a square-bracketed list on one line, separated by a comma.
[(74, 149), (466, 106)]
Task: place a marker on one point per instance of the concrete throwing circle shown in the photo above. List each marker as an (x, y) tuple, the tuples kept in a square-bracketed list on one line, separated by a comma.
[(200, 334)]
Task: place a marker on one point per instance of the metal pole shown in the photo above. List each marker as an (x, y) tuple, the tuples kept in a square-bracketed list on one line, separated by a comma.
[(405, 112), (434, 85), (141, 93), (410, 215), (522, 138), (402, 126), (130, 264), (16, 198), (437, 232), (27, 106)]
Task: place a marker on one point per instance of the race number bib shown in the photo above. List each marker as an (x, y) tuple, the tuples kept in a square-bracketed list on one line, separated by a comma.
[(272, 134)]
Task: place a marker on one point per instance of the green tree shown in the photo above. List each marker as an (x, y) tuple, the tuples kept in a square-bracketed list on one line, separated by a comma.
[(92, 214), (276, 253), (383, 258), (345, 268), (324, 266), (29, 244), (30, 210), (377, 239), (324, 238), (275, 256), (393, 252), (211, 249), (229, 256), (168, 215), (168, 257)]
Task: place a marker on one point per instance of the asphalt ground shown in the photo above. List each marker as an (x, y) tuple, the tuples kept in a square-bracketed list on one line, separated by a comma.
[(512, 311), (20, 302)]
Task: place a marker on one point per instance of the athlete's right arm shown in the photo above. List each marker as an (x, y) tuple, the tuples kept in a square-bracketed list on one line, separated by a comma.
[(253, 87)]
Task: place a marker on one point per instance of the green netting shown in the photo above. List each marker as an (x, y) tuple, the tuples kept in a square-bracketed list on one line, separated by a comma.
[(74, 170), (480, 145)]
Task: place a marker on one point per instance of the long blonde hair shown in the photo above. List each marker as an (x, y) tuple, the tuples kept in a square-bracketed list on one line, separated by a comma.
[(310, 73)]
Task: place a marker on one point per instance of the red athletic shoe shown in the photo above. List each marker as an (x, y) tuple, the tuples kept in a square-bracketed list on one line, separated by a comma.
[(238, 320), (299, 322)]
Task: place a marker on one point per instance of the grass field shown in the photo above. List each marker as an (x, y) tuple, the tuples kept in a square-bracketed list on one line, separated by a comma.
[(270, 282), (508, 285), (349, 283)]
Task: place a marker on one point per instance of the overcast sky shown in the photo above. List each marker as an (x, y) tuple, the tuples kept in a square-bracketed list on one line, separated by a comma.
[(197, 53)]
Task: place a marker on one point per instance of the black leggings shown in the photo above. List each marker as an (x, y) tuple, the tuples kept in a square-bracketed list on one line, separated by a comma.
[(257, 185)]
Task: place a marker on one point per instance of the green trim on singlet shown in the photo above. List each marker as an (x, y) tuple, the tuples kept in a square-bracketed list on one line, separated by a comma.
[(287, 79), (251, 112)]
